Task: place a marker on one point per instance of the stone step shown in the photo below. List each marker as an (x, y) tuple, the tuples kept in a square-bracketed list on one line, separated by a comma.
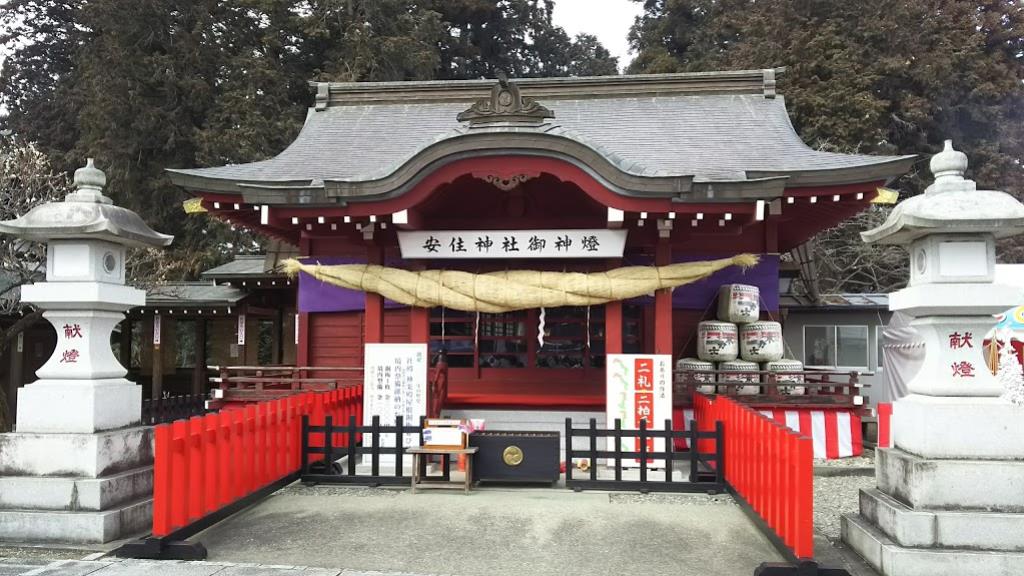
[(942, 529), (955, 485), (57, 493), (891, 559), (80, 527), (75, 455)]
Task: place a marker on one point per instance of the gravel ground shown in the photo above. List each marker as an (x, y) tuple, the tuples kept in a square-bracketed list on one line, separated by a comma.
[(835, 496), (867, 459), (671, 499), (40, 553), (298, 489)]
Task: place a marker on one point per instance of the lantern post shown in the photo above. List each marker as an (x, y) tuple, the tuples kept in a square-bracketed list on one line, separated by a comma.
[(952, 479), (77, 469)]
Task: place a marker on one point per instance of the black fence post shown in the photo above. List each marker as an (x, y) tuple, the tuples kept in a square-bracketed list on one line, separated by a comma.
[(568, 451), (694, 452), (618, 450), (352, 445), (328, 445), (720, 452), (423, 461), (593, 449), (669, 450), (643, 450), (375, 448), (399, 445)]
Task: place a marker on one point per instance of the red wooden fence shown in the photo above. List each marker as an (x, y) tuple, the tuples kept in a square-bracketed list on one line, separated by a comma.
[(767, 464), (207, 462), (884, 425)]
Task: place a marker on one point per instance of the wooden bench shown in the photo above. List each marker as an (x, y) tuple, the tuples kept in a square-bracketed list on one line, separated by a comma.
[(417, 458)]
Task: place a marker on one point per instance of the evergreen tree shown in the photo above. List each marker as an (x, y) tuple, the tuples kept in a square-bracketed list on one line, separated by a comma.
[(874, 76), (153, 84)]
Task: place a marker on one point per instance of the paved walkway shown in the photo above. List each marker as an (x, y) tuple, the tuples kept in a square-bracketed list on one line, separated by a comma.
[(332, 531), (494, 532), (173, 568)]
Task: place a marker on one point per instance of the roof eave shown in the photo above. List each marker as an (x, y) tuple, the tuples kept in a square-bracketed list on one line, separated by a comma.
[(884, 170)]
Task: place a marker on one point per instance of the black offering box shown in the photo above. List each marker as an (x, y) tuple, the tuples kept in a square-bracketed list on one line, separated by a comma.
[(507, 456)]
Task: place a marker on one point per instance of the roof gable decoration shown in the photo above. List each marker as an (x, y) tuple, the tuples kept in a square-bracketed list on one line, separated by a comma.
[(505, 104)]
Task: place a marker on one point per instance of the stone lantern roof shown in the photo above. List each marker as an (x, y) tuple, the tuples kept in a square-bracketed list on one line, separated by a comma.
[(85, 214), (952, 204)]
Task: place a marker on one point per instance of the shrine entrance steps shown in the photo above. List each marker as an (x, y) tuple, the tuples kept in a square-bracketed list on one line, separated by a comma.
[(530, 421)]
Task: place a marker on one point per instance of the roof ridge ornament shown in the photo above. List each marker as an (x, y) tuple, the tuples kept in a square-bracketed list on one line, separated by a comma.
[(89, 183), (949, 165), (505, 104)]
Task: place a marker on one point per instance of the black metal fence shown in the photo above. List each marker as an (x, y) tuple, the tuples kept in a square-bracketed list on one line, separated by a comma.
[(162, 410), (706, 472), (337, 442)]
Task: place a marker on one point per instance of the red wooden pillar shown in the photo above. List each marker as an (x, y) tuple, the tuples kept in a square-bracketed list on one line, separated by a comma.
[(419, 325), (419, 321), (613, 327), (374, 319), (663, 304)]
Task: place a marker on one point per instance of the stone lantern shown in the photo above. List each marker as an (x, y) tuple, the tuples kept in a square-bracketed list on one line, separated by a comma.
[(949, 496), (78, 444)]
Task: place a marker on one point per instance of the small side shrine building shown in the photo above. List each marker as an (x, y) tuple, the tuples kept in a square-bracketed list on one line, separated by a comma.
[(554, 174)]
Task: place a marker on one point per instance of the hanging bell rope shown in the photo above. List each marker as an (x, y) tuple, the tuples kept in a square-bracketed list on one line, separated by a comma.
[(510, 290)]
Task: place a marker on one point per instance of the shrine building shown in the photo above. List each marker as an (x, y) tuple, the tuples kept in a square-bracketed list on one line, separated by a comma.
[(550, 174)]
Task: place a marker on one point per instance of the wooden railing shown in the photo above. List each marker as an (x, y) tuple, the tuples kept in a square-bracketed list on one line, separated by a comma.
[(170, 408), (768, 466), (819, 389), (261, 383)]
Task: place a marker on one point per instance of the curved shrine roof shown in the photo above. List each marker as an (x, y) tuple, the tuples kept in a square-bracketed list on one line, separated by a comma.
[(692, 136)]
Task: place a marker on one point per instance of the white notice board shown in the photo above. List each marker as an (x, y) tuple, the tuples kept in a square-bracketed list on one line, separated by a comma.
[(394, 384), (639, 386)]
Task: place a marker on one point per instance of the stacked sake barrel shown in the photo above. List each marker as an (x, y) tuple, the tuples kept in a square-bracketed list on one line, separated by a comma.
[(739, 342)]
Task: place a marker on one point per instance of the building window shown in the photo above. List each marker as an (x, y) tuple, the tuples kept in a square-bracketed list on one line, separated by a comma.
[(879, 347), (566, 341), (266, 345), (502, 340), (185, 340), (836, 346), (455, 332), (509, 340)]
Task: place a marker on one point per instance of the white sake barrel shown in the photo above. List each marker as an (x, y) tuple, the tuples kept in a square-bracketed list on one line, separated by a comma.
[(788, 366), (685, 364), (738, 372), (739, 303), (761, 341), (717, 341)]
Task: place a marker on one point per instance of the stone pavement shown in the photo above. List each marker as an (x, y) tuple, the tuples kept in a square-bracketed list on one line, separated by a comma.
[(494, 531), (115, 567), (354, 531)]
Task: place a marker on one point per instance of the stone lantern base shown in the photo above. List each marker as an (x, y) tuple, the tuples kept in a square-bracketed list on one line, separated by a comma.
[(76, 488), (950, 495)]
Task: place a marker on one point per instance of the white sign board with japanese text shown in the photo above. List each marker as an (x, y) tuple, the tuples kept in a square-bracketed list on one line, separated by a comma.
[(394, 384), (639, 387), (590, 243), (241, 330)]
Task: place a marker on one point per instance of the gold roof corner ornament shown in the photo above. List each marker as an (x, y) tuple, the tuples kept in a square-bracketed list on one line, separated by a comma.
[(193, 206), (886, 196), (505, 104)]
